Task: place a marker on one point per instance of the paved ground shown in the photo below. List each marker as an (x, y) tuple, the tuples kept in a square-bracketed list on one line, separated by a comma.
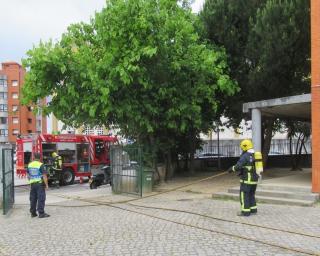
[(78, 228)]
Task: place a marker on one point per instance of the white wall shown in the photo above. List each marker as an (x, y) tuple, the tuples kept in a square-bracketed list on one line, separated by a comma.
[(230, 134)]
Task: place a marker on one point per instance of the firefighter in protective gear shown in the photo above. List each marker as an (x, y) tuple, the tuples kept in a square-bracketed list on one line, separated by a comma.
[(248, 178), (57, 161), (38, 180), (56, 168)]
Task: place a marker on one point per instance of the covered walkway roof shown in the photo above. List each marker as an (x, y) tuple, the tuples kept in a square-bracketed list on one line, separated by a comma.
[(296, 107)]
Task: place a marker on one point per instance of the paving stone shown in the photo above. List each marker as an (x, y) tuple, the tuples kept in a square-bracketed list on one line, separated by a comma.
[(102, 230)]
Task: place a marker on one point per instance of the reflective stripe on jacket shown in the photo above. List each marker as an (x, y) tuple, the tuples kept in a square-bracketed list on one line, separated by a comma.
[(246, 168), (34, 172), (57, 164)]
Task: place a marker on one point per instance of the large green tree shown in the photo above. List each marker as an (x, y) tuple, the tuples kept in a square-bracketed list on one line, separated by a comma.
[(226, 24), (268, 47), (278, 49), (138, 65)]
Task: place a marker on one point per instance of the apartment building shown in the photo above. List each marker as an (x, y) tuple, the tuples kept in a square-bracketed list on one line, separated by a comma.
[(16, 119), (58, 126)]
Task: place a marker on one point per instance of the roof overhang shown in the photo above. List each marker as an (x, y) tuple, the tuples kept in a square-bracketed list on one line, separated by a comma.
[(296, 107)]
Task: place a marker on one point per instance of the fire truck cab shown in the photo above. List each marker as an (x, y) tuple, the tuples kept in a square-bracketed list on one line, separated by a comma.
[(81, 155)]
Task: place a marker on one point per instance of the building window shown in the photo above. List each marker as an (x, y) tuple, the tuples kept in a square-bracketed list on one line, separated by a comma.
[(3, 120), (3, 83), (14, 83), (15, 132), (15, 95), (29, 120), (3, 132), (3, 95), (3, 107), (99, 130), (30, 109), (88, 131), (15, 120), (29, 131), (14, 108)]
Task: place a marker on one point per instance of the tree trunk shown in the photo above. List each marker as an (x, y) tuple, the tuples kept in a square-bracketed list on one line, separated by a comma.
[(169, 165), (192, 151), (299, 151), (178, 163), (267, 140), (293, 160), (154, 154), (186, 162), (295, 155)]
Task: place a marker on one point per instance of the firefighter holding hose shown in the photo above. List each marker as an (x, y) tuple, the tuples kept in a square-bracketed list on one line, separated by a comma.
[(249, 168)]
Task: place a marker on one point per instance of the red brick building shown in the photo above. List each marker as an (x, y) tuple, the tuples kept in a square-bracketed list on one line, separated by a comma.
[(16, 119)]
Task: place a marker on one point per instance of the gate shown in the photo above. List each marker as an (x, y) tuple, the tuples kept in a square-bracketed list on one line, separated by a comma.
[(7, 179), (126, 169)]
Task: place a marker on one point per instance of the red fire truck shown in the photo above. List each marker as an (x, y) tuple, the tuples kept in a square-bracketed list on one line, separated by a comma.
[(82, 155)]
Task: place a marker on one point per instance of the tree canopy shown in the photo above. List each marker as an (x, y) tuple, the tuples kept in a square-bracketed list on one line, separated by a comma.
[(139, 65), (268, 47), (226, 24), (278, 50)]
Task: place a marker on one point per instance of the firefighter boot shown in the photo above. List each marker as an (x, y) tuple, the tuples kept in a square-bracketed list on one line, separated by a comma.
[(243, 214), (33, 214)]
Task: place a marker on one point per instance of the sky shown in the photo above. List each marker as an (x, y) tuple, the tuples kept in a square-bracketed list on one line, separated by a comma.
[(23, 23)]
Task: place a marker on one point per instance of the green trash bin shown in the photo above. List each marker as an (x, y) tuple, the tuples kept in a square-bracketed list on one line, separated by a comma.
[(147, 180)]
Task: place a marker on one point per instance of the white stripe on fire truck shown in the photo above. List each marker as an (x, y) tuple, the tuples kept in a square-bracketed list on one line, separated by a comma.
[(91, 149), (42, 137)]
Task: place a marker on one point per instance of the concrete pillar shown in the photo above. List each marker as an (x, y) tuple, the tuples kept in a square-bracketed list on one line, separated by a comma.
[(315, 93), (256, 128)]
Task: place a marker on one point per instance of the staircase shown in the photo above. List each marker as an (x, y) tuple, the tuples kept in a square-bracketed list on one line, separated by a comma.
[(276, 194)]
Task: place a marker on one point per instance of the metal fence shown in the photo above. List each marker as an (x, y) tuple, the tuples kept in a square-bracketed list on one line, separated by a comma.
[(282, 147), (230, 148), (7, 179), (126, 169)]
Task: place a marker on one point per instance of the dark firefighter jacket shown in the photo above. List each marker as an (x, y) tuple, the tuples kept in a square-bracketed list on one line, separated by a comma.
[(57, 162), (245, 167)]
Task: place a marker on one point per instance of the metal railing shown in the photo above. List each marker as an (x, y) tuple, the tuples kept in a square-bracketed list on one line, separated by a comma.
[(231, 148)]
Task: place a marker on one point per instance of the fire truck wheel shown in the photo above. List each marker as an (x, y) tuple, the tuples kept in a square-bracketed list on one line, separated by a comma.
[(67, 177)]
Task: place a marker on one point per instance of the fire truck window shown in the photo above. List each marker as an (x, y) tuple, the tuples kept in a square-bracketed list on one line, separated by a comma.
[(68, 156), (49, 147), (83, 153), (26, 157), (99, 148)]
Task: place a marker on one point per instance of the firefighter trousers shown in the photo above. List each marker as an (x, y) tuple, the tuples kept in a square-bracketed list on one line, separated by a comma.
[(247, 198)]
